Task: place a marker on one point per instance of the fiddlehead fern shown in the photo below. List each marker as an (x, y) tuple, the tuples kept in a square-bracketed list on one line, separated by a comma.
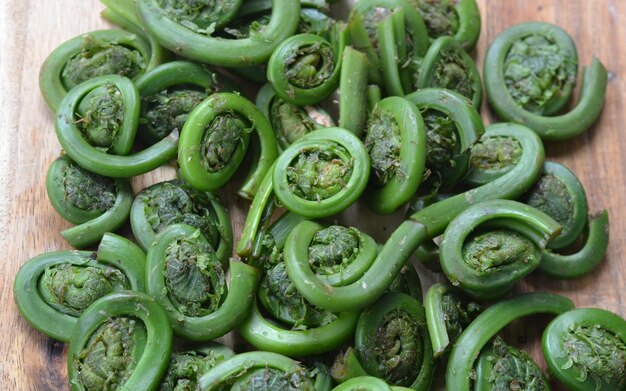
[(98, 53), (560, 194), (369, 383), (425, 224), (491, 245), (170, 92), (392, 342), (95, 203), (407, 281), (448, 313), (304, 69), (530, 72), (290, 122), (337, 255), (488, 324), (96, 125), (186, 277), (187, 366), (491, 157), (294, 327), (586, 349), (322, 174), (122, 341), (214, 141), (255, 370), (169, 29), (456, 18), (396, 142), (52, 290), (173, 202), (452, 127), (447, 65), (503, 367)]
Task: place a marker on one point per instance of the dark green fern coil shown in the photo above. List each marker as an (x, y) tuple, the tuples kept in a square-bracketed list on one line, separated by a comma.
[(585, 349), (172, 202), (53, 289), (98, 53), (501, 367), (392, 342), (95, 203)]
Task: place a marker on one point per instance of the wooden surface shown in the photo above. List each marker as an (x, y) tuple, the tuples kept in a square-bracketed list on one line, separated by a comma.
[(30, 30)]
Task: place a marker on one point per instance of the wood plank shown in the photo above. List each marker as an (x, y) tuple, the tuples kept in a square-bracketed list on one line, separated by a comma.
[(29, 225)]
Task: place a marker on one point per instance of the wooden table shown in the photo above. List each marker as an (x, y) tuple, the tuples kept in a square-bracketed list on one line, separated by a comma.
[(30, 30)]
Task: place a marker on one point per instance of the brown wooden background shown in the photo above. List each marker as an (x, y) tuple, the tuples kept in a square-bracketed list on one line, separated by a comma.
[(31, 29)]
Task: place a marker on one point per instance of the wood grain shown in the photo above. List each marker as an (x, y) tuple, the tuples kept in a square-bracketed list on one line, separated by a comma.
[(30, 30)]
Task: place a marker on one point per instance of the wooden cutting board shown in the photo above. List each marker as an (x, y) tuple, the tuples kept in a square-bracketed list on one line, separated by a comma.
[(30, 30)]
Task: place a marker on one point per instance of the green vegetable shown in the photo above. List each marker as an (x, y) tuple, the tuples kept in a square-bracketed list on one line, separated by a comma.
[(491, 245), (396, 142), (305, 68), (352, 91), (452, 126), (184, 275), (448, 313), (245, 371), (488, 324), (169, 30), (188, 365), (456, 18), (172, 202), (53, 289), (122, 341), (392, 342), (95, 203), (290, 122), (503, 367), (107, 108), (586, 349), (530, 71), (98, 53), (214, 141)]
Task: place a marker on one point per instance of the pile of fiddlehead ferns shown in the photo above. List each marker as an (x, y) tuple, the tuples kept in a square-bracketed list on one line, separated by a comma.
[(325, 304)]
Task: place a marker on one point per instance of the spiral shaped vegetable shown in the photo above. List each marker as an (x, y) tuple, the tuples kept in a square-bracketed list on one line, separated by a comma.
[(448, 313), (304, 329), (453, 126), (423, 225), (172, 202), (290, 122), (491, 245), (123, 340), (369, 383), (187, 366), (95, 203), (503, 367), (396, 142), (170, 92), (214, 141), (447, 65), (98, 53), (304, 69), (53, 289), (523, 88), (171, 23), (459, 19), (392, 342), (585, 349), (488, 324), (96, 125), (257, 369), (560, 194), (185, 276)]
